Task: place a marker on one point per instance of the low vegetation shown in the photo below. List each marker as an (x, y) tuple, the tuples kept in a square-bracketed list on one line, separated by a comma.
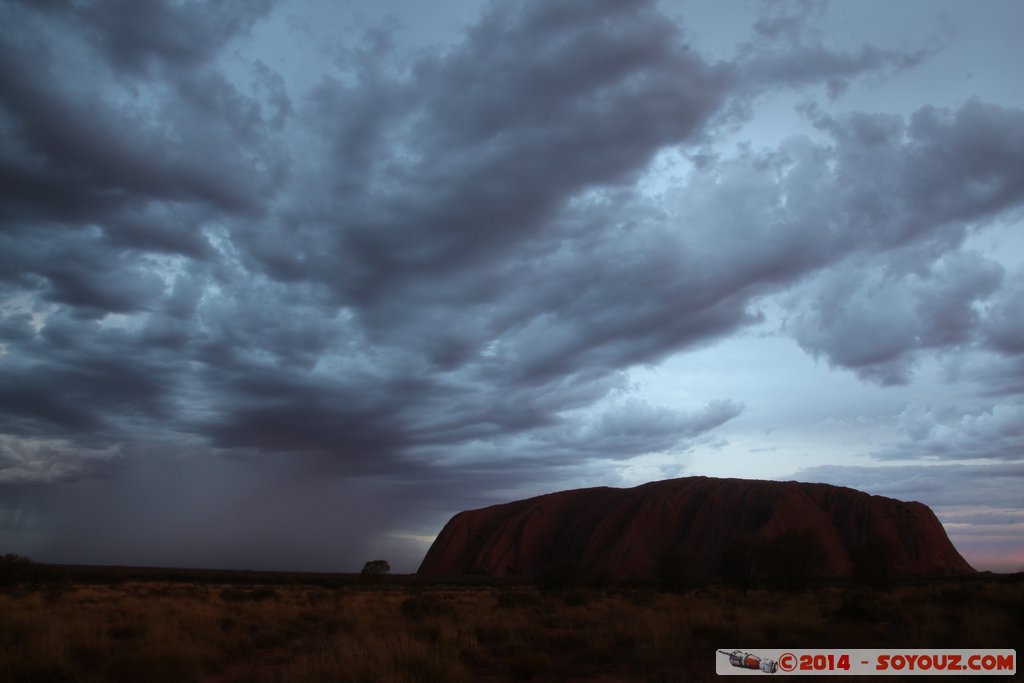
[(230, 628)]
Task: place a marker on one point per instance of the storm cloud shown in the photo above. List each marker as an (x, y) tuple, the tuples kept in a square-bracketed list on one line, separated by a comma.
[(428, 273)]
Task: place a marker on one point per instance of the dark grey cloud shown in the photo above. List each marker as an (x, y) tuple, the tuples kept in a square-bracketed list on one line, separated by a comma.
[(137, 157), (789, 47), (138, 37), (77, 379), (946, 166), (634, 427), (1003, 324), (878, 322), (446, 191), (901, 198), (789, 21), (134, 36), (75, 154), (994, 432), (816, 64), (81, 271), (472, 152), (993, 376)]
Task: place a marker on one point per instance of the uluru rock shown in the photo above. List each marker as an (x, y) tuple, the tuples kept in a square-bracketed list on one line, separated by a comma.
[(626, 532)]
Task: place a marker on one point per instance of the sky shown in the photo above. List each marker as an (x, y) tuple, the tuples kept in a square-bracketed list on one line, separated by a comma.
[(284, 284)]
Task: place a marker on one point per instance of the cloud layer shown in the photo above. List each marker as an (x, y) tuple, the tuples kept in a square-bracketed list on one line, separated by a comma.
[(439, 267)]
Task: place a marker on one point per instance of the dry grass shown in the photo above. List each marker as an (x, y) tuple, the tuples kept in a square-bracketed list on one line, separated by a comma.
[(179, 631)]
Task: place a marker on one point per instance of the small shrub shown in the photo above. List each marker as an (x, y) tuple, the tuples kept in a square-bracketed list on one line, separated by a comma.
[(13, 559)]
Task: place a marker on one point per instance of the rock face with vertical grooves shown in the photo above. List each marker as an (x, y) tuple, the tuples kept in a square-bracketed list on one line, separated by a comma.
[(624, 533)]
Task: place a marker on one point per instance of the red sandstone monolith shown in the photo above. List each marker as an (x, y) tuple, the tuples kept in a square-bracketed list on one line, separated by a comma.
[(625, 533)]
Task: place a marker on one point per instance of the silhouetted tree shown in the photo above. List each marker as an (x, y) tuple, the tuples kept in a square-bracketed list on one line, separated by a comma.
[(375, 569), (14, 568)]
